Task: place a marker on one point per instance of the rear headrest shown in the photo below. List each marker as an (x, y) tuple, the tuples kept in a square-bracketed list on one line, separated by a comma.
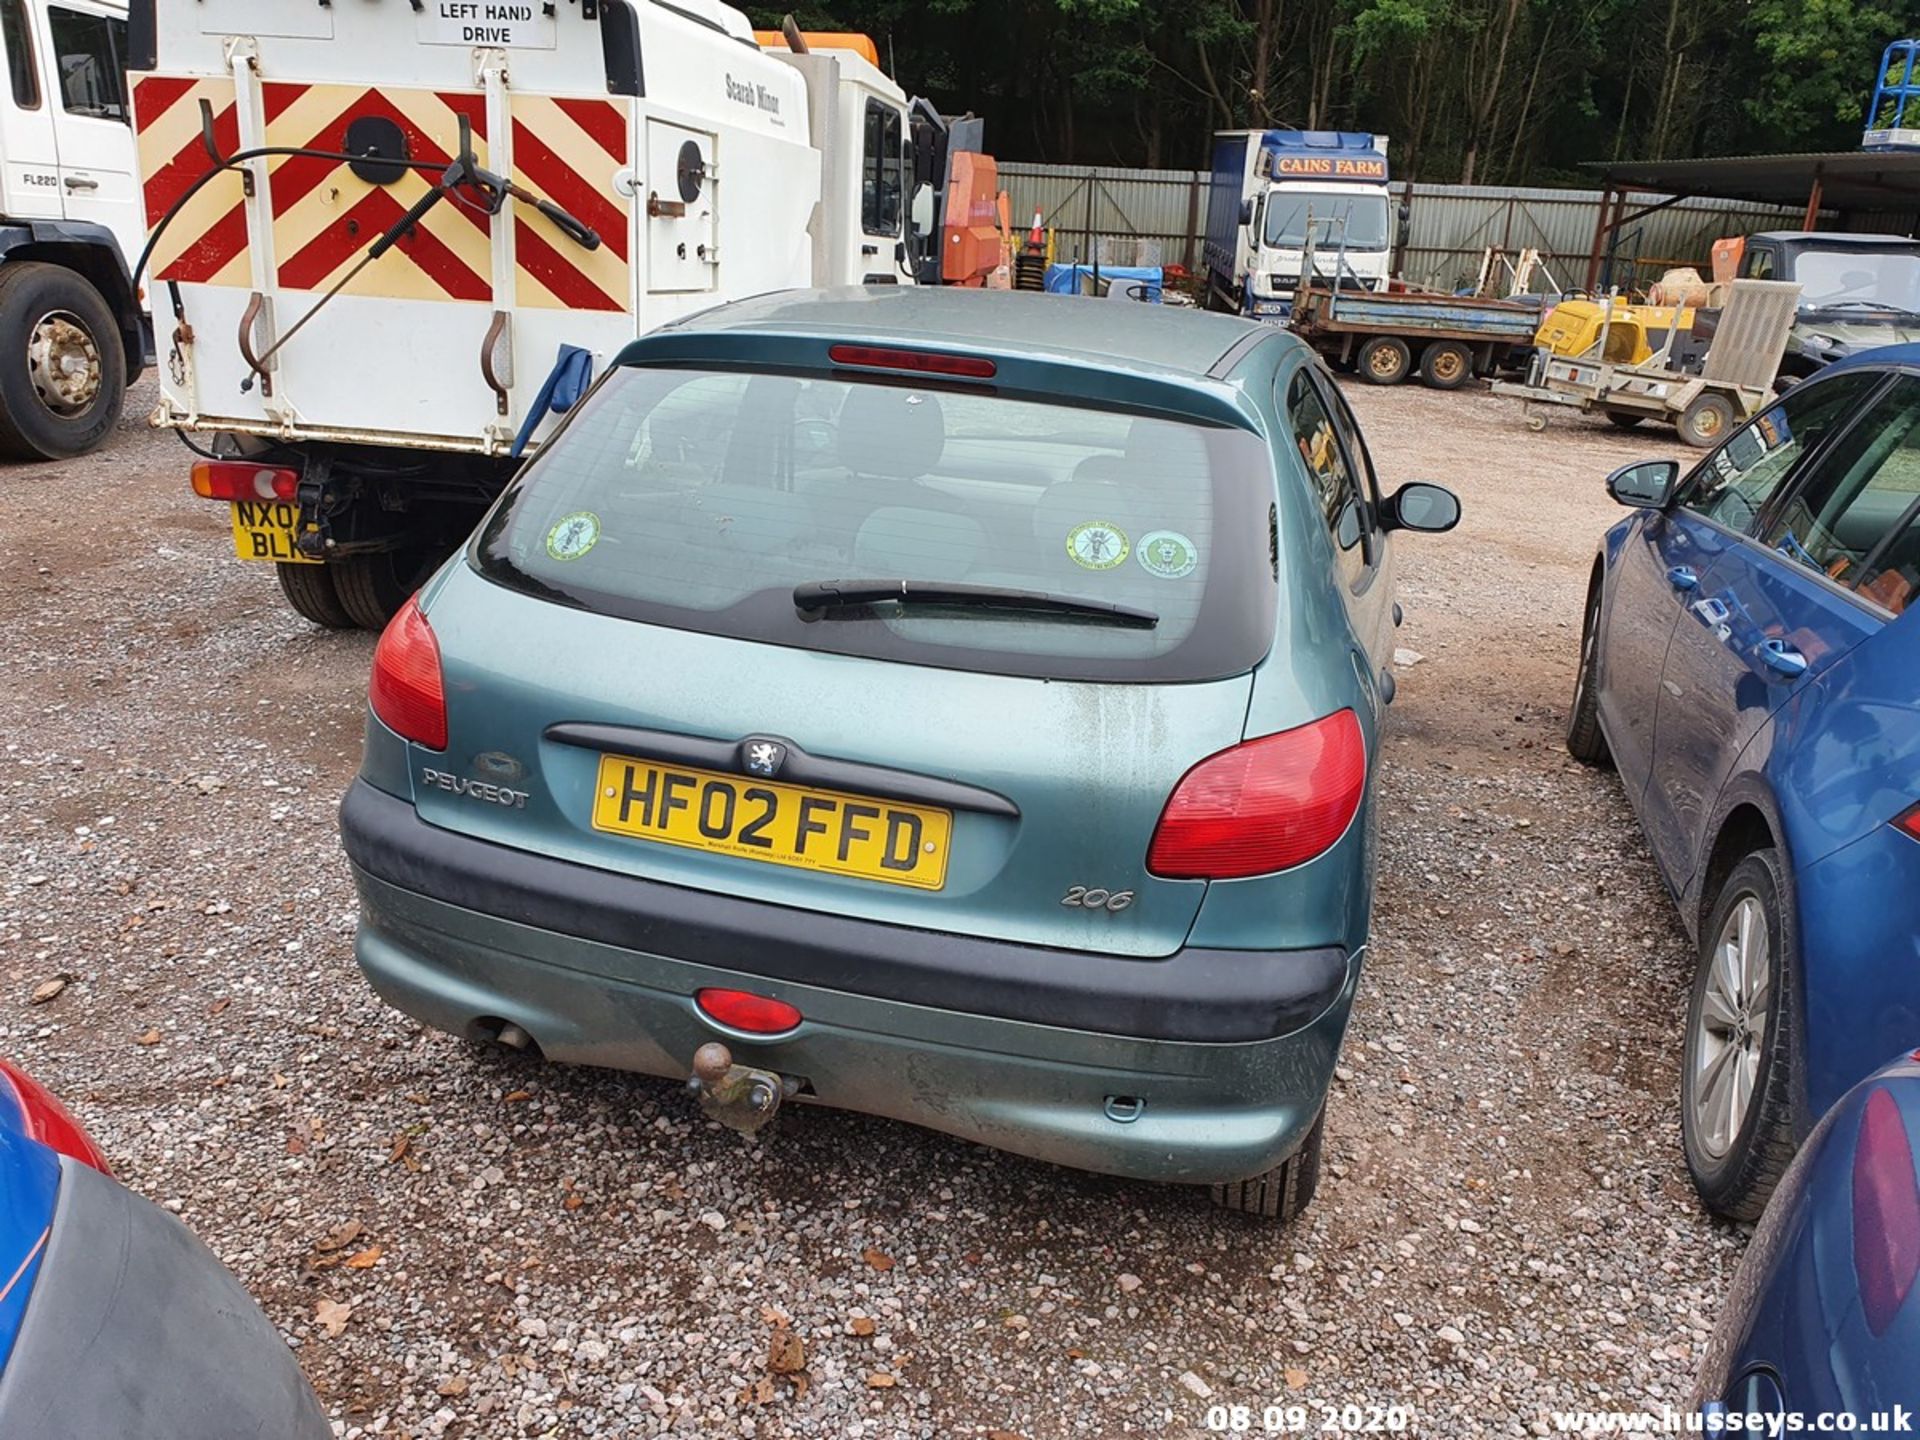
[(918, 545), (1158, 452), (893, 433)]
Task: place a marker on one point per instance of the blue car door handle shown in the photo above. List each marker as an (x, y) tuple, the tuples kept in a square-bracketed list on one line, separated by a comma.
[(1781, 658), (1681, 577)]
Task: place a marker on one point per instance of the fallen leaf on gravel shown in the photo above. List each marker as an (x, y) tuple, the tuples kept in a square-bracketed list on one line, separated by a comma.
[(366, 1259), (453, 1387), (775, 1317), (787, 1354), (333, 1317), (881, 1380), (879, 1260), (517, 1097), (47, 989), (801, 1382), (151, 1038), (1296, 1379), (573, 1201), (340, 1236), (400, 1147), (861, 1326), (761, 1392), (218, 1006)]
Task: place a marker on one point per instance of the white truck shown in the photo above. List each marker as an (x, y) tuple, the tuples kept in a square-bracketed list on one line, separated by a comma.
[(394, 240), (72, 333), (1267, 186)]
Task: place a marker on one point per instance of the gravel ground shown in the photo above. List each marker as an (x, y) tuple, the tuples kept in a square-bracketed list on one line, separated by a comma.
[(468, 1245)]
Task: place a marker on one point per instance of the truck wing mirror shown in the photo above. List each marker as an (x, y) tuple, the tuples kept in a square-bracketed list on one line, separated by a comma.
[(1246, 212)]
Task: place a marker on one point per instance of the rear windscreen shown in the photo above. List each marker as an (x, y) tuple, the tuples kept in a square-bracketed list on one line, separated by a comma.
[(705, 500)]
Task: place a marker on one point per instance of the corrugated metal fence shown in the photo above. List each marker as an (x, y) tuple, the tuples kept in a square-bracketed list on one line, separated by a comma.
[(1159, 217)]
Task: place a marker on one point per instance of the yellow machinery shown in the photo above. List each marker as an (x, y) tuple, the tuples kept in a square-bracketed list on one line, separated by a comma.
[(1634, 334)]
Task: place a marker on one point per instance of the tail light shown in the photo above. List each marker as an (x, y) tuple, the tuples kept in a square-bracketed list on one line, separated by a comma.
[(406, 691), (1267, 805), (920, 362), (47, 1119), (1886, 1212), (235, 480), (741, 1010), (1909, 822)]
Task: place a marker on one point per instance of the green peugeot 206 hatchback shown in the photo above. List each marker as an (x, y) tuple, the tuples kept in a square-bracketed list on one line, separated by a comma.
[(954, 706)]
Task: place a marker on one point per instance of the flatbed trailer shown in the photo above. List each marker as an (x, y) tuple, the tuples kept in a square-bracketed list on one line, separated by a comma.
[(1386, 337)]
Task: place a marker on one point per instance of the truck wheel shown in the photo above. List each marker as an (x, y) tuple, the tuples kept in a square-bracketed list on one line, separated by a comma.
[(1385, 360), (63, 367), (372, 588), (310, 591), (1706, 421), (1446, 365), (1624, 419), (1284, 1191)]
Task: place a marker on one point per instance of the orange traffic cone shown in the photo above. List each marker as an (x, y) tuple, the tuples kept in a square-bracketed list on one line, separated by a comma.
[(1037, 237)]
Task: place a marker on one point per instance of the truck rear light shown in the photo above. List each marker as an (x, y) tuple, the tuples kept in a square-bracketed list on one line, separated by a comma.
[(47, 1119), (754, 1014), (1886, 1212), (1909, 822), (406, 691), (232, 480), (1266, 805), (923, 362)]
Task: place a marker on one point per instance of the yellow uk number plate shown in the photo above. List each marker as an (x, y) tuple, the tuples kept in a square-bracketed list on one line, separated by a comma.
[(266, 529), (777, 824)]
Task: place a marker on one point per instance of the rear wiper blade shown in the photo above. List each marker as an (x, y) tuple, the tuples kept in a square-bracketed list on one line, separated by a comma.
[(820, 597)]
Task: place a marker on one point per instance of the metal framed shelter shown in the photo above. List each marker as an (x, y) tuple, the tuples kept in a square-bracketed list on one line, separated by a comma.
[(1866, 189)]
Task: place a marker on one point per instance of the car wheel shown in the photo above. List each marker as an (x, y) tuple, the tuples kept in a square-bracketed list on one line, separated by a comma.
[(310, 591), (1624, 419), (1446, 365), (1736, 1073), (372, 588), (1384, 360), (1585, 742), (1284, 1191), (1706, 421), (63, 366)]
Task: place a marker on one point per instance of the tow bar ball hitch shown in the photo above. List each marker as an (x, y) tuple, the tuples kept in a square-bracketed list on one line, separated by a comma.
[(738, 1096)]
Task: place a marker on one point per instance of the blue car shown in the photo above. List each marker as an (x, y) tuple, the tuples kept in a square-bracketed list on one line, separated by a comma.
[(956, 707), (114, 1321), (1751, 666), (1823, 1318)]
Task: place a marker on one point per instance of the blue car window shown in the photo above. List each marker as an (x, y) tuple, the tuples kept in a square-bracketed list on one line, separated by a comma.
[(1853, 518), (704, 500), (1734, 484)]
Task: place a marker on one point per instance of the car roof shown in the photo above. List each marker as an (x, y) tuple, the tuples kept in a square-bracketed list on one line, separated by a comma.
[(1146, 339), (1886, 357)]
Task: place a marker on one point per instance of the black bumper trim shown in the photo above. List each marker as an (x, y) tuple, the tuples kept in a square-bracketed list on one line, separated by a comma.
[(1193, 996)]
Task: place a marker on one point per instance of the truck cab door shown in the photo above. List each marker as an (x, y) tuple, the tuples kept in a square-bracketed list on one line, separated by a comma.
[(31, 186), (884, 169), (86, 81)]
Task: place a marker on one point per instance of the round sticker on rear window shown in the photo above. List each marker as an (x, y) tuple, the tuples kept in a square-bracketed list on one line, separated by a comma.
[(574, 537), (1097, 545), (1168, 554)]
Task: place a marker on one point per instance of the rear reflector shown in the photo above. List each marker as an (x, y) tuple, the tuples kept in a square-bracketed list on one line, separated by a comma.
[(754, 1014), (923, 362), (232, 480), (1267, 805), (1909, 822), (1886, 1212), (47, 1119), (406, 691)]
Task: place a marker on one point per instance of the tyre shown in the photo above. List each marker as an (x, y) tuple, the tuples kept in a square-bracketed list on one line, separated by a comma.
[(372, 588), (1284, 1191), (1706, 421), (63, 365), (1585, 742), (1736, 1118), (1384, 360), (1624, 419), (1446, 365), (1536, 422), (310, 591)]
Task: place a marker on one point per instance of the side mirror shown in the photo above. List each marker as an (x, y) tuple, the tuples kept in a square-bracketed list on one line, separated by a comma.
[(1427, 509), (1646, 484), (1246, 212)]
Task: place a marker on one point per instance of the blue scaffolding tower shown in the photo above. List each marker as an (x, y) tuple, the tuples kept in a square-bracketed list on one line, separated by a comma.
[(1888, 124)]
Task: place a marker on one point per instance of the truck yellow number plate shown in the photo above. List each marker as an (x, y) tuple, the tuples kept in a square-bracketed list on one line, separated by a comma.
[(265, 530), (754, 819)]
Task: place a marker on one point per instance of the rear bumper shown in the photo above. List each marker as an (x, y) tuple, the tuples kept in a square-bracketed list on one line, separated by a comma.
[(1011, 1046)]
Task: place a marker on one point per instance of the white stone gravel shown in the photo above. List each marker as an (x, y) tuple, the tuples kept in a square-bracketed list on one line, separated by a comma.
[(1505, 1228)]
